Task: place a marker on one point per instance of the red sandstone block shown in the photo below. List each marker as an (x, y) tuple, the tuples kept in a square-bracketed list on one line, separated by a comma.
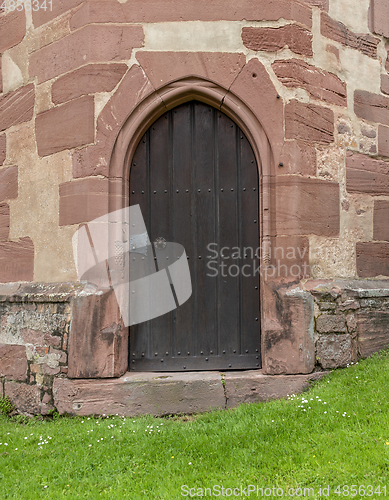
[(96, 43), (94, 160), (373, 333), (318, 83), (298, 39), (297, 157), (82, 200), (309, 122), (372, 259), (41, 16), (337, 31), (17, 107), (371, 107), (307, 206), (89, 79), (379, 17), (12, 29), (25, 397), (13, 362), (254, 81), (16, 260), (8, 183), (380, 220), (383, 141), (65, 127), (4, 221), (97, 322), (139, 11), (3, 144), (385, 84), (164, 67), (366, 175)]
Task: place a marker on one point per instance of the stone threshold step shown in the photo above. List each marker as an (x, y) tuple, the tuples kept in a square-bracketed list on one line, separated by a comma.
[(159, 394)]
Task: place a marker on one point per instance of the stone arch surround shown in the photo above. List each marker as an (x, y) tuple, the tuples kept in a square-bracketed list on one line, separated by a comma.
[(118, 135)]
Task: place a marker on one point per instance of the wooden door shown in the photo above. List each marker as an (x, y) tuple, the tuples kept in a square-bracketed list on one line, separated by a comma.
[(195, 178)]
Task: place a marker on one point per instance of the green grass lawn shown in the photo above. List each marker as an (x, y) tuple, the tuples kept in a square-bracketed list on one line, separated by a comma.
[(335, 434)]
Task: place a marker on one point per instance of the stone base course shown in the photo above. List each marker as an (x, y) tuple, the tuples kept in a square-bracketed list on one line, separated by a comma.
[(165, 394), (308, 328)]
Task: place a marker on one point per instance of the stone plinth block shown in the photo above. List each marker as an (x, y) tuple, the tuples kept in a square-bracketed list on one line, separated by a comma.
[(25, 398), (141, 394), (13, 362), (287, 338), (373, 332), (98, 340), (334, 351), (253, 386)]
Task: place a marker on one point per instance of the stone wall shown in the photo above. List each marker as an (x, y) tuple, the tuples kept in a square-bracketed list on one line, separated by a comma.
[(42, 327), (307, 82)]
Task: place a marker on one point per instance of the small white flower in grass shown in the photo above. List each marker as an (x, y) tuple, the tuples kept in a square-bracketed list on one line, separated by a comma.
[(356, 377), (5, 444), (82, 422), (111, 437), (25, 438), (88, 418), (8, 433), (324, 403), (90, 446), (325, 412), (272, 420), (31, 434), (190, 463), (16, 449), (45, 486)]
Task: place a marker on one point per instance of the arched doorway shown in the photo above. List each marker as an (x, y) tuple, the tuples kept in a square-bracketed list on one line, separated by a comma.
[(195, 177)]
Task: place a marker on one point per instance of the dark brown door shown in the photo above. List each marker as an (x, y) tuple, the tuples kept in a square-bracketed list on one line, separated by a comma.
[(195, 178)]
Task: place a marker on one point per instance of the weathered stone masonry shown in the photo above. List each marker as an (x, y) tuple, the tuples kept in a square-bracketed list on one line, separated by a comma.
[(307, 82)]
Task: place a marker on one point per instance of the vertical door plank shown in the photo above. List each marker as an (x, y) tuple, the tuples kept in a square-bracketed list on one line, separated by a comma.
[(203, 194), (250, 287), (228, 299), (181, 196)]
